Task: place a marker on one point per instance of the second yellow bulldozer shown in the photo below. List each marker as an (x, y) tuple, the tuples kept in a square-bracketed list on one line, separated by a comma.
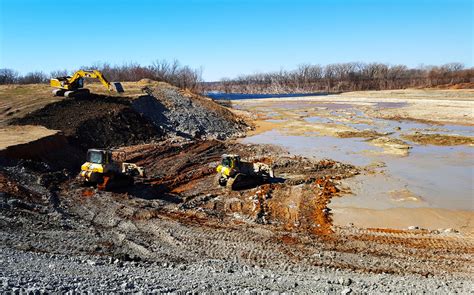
[(72, 86), (236, 174)]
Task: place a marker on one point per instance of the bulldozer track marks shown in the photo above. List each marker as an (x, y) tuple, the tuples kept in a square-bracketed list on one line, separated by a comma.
[(186, 234), (243, 244)]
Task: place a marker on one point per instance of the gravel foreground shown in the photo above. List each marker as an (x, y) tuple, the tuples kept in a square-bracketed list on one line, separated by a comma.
[(40, 273)]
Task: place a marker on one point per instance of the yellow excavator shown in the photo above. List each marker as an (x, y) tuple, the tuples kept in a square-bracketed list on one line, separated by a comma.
[(104, 170), (71, 86), (236, 174)]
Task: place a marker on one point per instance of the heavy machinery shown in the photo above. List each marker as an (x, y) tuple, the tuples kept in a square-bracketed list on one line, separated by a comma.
[(71, 86), (102, 169), (237, 174)]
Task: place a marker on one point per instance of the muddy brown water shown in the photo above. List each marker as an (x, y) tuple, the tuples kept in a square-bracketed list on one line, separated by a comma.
[(429, 177)]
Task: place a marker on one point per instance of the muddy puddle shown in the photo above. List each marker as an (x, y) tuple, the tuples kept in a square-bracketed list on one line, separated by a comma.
[(437, 177)]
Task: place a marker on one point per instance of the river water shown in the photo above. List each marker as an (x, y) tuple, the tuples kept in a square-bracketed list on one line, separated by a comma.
[(428, 176)]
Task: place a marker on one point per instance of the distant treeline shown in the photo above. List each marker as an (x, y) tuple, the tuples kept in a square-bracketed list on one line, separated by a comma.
[(162, 70), (305, 79), (344, 77)]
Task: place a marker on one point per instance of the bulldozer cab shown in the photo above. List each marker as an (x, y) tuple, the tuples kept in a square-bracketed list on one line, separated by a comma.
[(230, 161), (99, 156)]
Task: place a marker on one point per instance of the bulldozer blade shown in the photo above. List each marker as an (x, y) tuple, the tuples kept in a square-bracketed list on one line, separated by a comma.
[(242, 181), (103, 186), (117, 86), (115, 182)]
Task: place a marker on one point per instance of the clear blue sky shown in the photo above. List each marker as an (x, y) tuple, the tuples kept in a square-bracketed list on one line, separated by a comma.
[(228, 38)]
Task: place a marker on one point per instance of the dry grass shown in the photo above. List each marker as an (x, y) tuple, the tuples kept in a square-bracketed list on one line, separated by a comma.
[(14, 135), (18, 100)]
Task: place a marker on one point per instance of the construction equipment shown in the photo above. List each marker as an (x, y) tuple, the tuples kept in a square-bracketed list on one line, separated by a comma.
[(74, 86), (236, 174), (104, 171)]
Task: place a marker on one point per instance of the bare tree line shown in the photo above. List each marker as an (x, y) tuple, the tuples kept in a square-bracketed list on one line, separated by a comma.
[(344, 77), (306, 78), (160, 70)]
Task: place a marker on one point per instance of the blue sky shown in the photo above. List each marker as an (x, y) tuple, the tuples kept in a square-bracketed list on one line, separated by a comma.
[(228, 38)]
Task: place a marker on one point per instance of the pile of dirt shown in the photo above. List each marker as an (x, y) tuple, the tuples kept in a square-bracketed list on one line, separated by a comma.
[(102, 121), (94, 121), (13, 190), (187, 114)]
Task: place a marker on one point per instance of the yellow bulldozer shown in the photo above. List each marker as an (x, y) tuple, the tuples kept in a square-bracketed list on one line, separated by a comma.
[(236, 174), (102, 168), (72, 86)]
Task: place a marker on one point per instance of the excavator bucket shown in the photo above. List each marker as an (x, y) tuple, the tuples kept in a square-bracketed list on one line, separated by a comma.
[(117, 87)]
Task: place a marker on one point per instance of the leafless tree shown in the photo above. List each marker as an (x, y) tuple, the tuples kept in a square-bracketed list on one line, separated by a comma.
[(8, 76), (33, 78)]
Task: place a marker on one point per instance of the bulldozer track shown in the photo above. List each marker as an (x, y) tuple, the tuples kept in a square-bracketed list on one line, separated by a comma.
[(265, 246), (157, 232)]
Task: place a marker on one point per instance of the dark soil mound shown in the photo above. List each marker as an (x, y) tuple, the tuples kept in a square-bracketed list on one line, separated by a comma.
[(95, 122), (98, 121)]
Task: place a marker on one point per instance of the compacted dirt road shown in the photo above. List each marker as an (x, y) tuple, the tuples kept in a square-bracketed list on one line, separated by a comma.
[(178, 231)]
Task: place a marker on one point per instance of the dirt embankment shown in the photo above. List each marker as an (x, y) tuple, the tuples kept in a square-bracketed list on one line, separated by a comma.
[(104, 121), (95, 121)]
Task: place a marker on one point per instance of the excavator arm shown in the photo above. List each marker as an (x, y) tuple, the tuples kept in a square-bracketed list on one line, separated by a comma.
[(94, 74)]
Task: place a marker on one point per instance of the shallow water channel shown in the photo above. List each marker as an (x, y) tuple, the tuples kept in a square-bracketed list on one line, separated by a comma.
[(428, 176)]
